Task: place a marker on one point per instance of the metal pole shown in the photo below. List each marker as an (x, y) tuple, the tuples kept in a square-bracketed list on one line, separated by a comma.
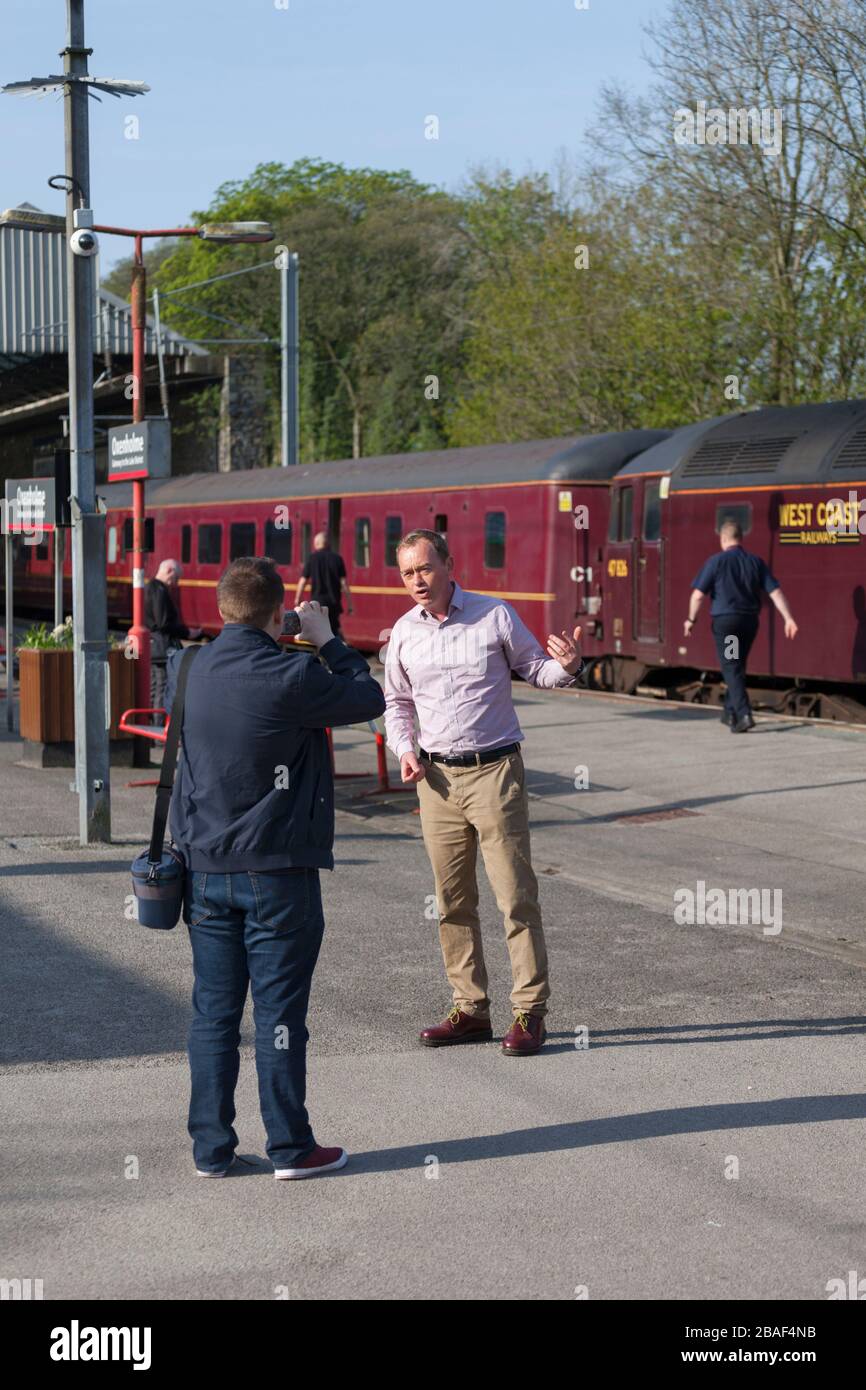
[(59, 549), (289, 355), (294, 358), (157, 328), (284, 361), (89, 606), (10, 635), (139, 634)]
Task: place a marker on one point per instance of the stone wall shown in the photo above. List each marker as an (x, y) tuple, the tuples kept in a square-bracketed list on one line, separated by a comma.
[(244, 435)]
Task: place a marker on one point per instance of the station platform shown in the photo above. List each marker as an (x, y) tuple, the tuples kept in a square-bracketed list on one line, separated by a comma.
[(605, 1168)]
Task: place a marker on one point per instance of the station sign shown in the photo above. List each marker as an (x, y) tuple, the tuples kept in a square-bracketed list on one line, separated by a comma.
[(29, 508), (141, 450)]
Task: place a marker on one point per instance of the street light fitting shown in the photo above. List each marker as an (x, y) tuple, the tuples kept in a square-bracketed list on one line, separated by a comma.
[(236, 231), (57, 82)]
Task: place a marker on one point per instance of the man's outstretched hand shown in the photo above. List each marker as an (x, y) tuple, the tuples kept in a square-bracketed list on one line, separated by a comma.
[(565, 650)]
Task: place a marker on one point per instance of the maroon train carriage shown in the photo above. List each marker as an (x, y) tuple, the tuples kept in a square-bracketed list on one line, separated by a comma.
[(793, 478), (526, 521)]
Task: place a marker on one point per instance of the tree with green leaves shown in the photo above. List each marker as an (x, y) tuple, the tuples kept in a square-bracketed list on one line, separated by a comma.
[(380, 277)]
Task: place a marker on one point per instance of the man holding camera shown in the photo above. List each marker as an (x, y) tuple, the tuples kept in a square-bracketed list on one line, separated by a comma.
[(253, 813)]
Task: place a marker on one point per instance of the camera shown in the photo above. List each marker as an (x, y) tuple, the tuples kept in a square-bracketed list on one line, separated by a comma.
[(291, 622), (84, 242)]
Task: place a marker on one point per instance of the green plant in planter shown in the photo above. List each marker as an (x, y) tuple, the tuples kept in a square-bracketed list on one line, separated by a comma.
[(46, 639)]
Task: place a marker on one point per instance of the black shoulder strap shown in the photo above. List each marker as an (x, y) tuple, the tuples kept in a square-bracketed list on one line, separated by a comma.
[(169, 759)]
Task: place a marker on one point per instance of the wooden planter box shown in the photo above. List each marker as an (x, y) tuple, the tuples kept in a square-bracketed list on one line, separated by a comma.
[(47, 694)]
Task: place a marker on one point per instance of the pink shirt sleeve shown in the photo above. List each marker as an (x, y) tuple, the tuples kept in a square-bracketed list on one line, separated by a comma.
[(526, 656), (399, 704)]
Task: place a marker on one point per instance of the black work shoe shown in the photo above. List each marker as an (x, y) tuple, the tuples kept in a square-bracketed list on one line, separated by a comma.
[(742, 726)]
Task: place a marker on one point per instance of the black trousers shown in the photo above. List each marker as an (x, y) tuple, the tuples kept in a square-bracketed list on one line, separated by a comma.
[(734, 634), (158, 676)]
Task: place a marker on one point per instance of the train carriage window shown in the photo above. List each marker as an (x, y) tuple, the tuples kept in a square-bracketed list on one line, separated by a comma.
[(112, 545), (306, 540), (278, 542), (652, 512), (440, 524), (40, 551), (626, 513), (741, 512), (613, 525), (621, 512), (185, 544), (210, 543), (362, 541), (242, 539), (393, 533), (494, 540), (148, 535)]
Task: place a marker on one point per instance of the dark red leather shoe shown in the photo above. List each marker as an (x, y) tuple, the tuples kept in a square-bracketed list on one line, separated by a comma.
[(525, 1037), (458, 1027)]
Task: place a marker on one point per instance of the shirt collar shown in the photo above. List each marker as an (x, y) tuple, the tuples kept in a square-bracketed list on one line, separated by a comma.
[(456, 601)]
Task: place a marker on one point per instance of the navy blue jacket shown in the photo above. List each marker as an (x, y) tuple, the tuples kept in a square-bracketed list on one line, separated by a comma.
[(254, 788), (735, 580)]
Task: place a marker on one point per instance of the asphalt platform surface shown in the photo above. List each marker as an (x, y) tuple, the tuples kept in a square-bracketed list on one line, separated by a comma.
[(707, 1143)]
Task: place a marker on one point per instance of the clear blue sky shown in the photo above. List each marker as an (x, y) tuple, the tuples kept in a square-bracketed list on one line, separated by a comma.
[(238, 82)]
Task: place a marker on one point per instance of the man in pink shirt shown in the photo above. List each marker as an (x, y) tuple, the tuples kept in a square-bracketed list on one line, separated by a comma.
[(449, 664)]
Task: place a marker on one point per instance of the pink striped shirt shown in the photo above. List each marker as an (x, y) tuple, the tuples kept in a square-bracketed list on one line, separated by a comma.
[(454, 676)]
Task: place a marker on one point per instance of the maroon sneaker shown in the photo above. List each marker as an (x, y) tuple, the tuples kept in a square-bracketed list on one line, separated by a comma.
[(319, 1161), (458, 1027), (525, 1036)]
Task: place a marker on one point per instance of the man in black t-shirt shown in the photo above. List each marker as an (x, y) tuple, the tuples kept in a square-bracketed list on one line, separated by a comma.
[(166, 629), (735, 581), (326, 574)]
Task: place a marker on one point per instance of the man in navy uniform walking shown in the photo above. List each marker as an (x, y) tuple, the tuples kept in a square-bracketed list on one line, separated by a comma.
[(735, 580)]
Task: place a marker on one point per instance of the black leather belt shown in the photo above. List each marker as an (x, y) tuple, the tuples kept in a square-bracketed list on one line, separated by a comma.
[(491, 755)]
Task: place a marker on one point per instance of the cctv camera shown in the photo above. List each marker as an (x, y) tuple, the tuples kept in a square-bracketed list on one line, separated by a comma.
[(84, 242)]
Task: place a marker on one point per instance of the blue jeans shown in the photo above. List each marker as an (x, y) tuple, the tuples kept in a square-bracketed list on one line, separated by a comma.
[(264, 930)]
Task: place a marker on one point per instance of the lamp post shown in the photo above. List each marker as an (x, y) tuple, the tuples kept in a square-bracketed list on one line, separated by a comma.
[(90, 621), (231, 232), (289, 359)]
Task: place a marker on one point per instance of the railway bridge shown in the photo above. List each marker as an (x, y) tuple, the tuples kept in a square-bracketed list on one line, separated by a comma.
[(214, 399)]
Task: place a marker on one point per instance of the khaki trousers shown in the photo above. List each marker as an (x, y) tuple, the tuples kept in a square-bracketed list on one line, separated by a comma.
[(462, 808)]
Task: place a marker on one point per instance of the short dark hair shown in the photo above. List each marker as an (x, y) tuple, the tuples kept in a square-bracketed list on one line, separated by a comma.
[(731, 527), (436, 539), (250, 591)]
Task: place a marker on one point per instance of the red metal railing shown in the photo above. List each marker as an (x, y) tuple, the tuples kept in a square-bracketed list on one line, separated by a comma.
[(159, 732)]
